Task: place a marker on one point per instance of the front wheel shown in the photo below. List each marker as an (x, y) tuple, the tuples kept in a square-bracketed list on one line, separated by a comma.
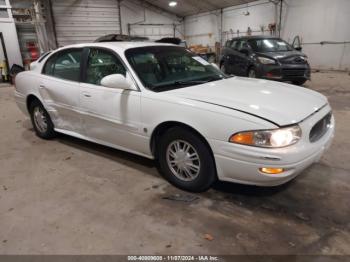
[(186, 161), (252, 73)]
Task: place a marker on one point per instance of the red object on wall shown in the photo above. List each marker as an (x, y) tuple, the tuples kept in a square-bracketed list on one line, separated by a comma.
[(33, 51)]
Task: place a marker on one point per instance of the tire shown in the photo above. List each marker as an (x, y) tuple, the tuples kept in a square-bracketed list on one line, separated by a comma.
[(195, 169), (41, 121), (251, 73), (299, 82)]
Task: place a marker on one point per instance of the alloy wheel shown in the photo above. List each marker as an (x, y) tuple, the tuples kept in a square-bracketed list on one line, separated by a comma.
[(40, 120), (183, 160)]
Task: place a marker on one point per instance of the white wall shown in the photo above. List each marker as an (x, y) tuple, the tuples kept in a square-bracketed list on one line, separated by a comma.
[(11, 43), (313, 20), (132, 12), (261, 13), (8, 30), (316, 21), (204, 28)]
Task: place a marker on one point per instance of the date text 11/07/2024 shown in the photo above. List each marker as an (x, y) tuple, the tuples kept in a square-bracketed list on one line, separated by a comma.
[(173, 258)]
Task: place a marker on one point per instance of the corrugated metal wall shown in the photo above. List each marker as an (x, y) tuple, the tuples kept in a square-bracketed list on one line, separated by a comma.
[(153, 32), (81, 21)]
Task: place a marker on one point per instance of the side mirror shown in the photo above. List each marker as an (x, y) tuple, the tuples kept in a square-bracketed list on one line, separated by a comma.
[(116, 81), (299, 48)]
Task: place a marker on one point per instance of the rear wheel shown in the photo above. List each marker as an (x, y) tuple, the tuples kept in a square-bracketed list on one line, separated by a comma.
[(299, 82), (186, 161), (41, 120)]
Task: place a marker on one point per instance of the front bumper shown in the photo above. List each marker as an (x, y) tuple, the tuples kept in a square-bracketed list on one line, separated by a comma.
[(285, 72), (240, 164)]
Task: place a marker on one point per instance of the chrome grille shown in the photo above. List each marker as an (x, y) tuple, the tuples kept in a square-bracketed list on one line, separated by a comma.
[(320, 128)]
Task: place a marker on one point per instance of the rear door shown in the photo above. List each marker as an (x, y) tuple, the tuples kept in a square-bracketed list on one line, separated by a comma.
[(110, 115), (59, 88)]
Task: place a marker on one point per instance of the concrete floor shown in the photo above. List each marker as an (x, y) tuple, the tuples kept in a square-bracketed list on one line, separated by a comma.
[(68, 196)]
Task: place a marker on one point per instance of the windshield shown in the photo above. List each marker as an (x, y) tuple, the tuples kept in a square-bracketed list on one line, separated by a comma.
[(162, 68), (269, 45)]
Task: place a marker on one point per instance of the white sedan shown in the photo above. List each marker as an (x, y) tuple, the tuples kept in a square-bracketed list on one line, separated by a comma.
[(165, 103)]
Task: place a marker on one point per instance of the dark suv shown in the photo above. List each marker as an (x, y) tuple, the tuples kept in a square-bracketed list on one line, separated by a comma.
[(264, 57)]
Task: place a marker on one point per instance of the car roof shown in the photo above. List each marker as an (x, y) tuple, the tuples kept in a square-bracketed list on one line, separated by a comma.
[(120, 46), (254, 37)]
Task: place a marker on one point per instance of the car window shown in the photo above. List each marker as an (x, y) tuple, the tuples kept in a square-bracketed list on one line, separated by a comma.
[(234, 44), (49, 66), (168, 67), (42, 57), (242, 44), (269, 45), (64, 65), (102, 63)]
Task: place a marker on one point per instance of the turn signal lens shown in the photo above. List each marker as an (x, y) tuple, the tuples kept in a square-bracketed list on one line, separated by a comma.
[(243, 138), (271, 171)]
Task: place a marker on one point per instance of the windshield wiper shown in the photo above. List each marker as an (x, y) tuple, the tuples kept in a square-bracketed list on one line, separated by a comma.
[(178, 84), (201, 81), (187, 82)]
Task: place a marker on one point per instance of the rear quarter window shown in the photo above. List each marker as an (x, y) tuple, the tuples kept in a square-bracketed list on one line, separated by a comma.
[(43, 56), (64, 65)]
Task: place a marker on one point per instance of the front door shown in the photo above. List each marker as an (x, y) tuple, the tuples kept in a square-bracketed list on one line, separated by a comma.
[(242, 58), (110, 115), (231, 58)]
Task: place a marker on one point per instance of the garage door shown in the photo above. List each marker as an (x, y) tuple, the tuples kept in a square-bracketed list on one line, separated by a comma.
[(81, 21)]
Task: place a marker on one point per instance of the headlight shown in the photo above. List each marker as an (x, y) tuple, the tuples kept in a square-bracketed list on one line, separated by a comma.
[(268, 138), (266, 61)]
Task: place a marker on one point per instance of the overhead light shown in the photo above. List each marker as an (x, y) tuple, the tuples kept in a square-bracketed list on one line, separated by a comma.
[(173, 3)]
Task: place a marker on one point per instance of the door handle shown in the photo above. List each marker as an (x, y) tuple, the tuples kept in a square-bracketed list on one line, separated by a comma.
[(42, 86)]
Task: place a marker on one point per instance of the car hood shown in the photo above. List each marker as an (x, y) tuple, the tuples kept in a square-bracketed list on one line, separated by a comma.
[(279, 103), (282, 55)]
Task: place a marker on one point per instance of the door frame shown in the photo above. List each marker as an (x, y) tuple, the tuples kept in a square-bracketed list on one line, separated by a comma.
[(5, 54)]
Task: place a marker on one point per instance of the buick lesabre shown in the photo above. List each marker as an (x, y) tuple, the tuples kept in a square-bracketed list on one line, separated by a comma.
[(163, 102)]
